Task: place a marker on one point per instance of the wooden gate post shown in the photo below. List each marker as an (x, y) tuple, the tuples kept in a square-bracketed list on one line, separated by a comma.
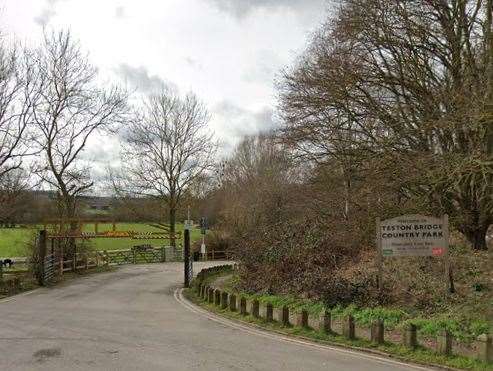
[(42, 256)]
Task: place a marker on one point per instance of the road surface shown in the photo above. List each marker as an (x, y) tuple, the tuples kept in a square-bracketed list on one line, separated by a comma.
[(134, 319)]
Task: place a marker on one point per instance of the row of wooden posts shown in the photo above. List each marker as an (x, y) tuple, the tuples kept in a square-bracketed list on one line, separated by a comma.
[(324, 323)]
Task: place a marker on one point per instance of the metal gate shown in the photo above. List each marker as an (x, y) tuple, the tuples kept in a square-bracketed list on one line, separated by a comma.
[(49, 269)]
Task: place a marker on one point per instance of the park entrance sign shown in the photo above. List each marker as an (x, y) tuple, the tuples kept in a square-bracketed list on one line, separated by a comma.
[(413, 235)]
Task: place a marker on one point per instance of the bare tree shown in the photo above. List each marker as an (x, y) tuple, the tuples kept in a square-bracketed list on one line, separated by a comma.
[(410, 90), (13, 109), (15, 197), (68, 108), (258, 183), (167, 148)]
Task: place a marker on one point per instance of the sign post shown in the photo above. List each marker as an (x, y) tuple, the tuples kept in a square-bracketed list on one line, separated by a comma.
[(186, 258), (413, 235), (203, 231), (187, 261)]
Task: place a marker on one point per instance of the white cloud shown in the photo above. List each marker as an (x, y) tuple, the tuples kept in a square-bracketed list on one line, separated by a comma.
[(47, 12), (139, 78), (244, 8), (226, 51), (232, 122)]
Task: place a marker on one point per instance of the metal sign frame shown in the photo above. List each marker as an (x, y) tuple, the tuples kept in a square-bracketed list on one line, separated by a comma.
[(415, 241)]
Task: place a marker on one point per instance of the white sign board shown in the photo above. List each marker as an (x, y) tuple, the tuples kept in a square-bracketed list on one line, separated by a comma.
[(188, 224), (413, 235)]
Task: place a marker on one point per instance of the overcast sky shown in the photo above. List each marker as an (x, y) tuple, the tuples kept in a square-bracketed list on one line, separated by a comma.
[(227, 51)]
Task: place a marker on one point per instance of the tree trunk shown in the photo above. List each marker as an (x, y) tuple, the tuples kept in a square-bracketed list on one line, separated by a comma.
[(476, 236), (489, 95)]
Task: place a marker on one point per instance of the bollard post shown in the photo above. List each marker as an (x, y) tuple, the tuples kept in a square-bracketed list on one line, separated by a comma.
[(485, 348), (224, 300), (211, 295), (243, 308), (256, 308), (284, 316), (269, 312), (302, 318), (232, 303), (444, 343), (377, 332), (410, 338), (217, 297), (326, 323), (348, 328)]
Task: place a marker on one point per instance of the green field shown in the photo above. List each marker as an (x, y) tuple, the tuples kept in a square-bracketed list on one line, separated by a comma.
[(14, 241)]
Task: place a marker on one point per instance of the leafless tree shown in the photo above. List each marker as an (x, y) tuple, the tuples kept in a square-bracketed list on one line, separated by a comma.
[(167, 148), (258, 184), (13, 109), (68, 107), (411, 89), (15, 197)]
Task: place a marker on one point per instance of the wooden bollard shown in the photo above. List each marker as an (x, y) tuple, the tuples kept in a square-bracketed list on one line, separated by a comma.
[(243, 306), (410, 336), (269, 312), (232, 303), (444, 343), (348, 328), (203, 294), (326, 322), (10, 287), (211, 295), (302, 318), (377, 332), (284, 316), (224, 300), (485, 348), (217, 297), (255, 308)]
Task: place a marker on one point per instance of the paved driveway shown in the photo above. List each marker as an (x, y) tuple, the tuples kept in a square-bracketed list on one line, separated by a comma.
[(132, 319)]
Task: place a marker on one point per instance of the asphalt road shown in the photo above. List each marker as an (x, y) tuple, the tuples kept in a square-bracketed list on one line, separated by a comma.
[(135, 319)]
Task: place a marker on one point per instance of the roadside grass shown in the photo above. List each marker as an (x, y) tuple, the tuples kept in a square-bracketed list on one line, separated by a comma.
[(420, 355), (461, 322), (14, 241)]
